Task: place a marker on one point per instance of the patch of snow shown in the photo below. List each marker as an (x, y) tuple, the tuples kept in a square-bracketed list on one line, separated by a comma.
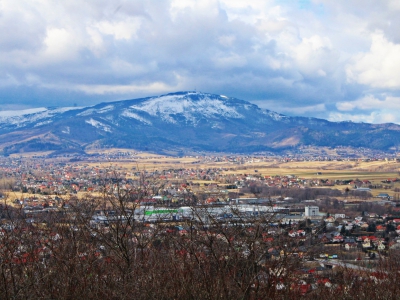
[(106, 109), (275, 116), (98, 125), (65, 109), (26, 116), (87, 112), (111, 119), (43, 123), (91, 111), (167, 106), (67, 130), (216, 126), (22, 112), (132, 115)]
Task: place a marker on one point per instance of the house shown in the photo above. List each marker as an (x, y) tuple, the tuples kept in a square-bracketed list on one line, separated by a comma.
[(367, 243), (337, 239), (373, 215), (349, 240), (383, 196), (298, 233), (362, 189), (349, 227), (268, 239), (324, 239), (330, 219), (301, 233), (350, 246), (337, 216), (380, 228), (373, 238), (381, 246)]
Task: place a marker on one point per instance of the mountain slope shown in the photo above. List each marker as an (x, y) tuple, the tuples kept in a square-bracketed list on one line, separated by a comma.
[(181, 121)]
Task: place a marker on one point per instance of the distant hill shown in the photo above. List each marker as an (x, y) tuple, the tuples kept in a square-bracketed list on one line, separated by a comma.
[(182, 121)]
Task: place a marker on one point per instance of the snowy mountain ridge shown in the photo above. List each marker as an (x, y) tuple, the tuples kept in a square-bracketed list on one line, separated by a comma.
[(182, 120)]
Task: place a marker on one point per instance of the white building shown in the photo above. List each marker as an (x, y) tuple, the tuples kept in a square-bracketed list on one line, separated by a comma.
[(311, 211), (337, 216)]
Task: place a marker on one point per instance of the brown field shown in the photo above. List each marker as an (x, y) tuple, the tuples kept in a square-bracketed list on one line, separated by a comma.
[(330, 169)]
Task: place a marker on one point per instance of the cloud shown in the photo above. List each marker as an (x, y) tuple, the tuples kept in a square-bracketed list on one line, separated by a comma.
[(374, 117), (299, 58), (371, 103), (294, 111), (379, 67), (313, 53), (369, 109)]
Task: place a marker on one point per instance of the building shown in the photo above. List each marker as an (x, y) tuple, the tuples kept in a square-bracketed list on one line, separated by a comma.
[(311, 211), (337, 216)]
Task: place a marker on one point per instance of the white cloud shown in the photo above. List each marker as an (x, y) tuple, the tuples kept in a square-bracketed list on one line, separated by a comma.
[(370, 102), (120, 30), (345, 106), (315, 56), (227, 40), (60, 45), (369, 109), (373, 117), (379, 67)]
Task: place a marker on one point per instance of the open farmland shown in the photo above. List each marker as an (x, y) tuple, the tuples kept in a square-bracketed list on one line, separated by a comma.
[(373, 171)]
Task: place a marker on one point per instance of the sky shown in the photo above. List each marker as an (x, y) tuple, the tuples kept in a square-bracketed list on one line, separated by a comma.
[(338, 60)]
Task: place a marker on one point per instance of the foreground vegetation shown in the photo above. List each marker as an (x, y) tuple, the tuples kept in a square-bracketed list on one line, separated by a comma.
[(97, 247)]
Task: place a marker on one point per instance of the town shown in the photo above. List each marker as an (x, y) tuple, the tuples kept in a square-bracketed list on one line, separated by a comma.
[(320, 225)]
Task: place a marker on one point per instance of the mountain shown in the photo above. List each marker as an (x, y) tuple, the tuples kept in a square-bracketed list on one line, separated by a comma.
[(178, 122)]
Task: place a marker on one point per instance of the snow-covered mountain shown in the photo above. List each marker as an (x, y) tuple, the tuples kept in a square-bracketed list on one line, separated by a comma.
[(179, 121)]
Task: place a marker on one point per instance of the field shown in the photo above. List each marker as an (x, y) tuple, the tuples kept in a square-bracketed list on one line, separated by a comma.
[(330, 169), (374, 171)]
